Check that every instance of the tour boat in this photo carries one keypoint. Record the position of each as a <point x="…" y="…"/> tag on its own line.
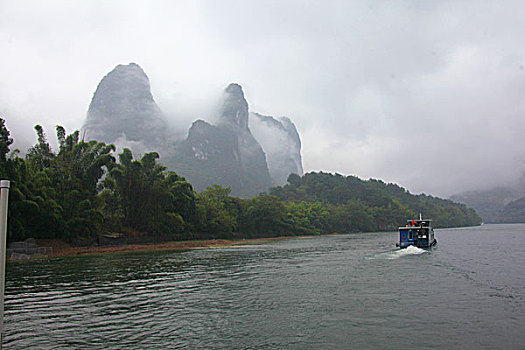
<point x="418" y="233"/>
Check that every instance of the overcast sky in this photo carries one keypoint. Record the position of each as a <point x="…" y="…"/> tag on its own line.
<point x="427" y="94"/>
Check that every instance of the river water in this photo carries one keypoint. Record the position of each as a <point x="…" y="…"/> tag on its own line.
<point x="331" y="292"/>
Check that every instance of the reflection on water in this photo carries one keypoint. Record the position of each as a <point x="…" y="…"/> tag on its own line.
<point x="348" y="291"/>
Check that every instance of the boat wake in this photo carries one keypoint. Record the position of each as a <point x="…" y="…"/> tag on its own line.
<point x="398" y="253"/>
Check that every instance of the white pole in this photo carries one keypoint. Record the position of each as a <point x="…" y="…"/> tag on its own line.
<point x="4" y="194"/>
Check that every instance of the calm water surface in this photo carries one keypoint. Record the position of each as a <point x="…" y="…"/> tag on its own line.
<point x="332" y="292"/>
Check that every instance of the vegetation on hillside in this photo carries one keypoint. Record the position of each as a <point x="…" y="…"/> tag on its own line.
<point x="83" y="192"/>
<point x="372" y="204"/>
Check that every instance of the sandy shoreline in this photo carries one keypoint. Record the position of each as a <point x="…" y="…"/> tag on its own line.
<point x="61" y="248"/>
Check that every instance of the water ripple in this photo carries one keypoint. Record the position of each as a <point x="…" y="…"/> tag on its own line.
<point x="348" y="291"/>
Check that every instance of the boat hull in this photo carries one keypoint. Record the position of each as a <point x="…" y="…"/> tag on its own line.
<point x="423" y="246"/>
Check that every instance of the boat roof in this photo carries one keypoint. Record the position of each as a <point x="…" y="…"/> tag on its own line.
<point x="418" y="224"/>
<point x="411" y="227"/>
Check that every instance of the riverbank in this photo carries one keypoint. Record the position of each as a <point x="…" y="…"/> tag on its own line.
<point x="61" y="248"/>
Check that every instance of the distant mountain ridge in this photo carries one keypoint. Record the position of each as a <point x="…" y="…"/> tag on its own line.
<point x="124" y="112"/>
<point x="496" y="205"/>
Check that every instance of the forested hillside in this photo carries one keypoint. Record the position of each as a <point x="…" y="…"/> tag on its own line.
<point x="380" y="206"/>
<point x="84" y="192"/>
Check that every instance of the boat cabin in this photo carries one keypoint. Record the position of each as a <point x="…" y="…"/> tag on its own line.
<point x="418" y="233"/>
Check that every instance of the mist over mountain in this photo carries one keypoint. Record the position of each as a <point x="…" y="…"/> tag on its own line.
<point x="496" y="205"/>
<point x="123" y="112"/>
<point x="209" y="155"/>
<point x="226" y="154"/>
<point x="234" y="115"/>
<point x="281" y="144"/>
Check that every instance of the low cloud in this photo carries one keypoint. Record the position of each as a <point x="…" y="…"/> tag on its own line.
<point x="372" y="88"/>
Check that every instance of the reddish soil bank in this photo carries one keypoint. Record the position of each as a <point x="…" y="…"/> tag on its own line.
<point x="61" y="248"/>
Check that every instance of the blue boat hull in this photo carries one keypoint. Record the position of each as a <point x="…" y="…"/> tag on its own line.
<point x="419" y="245"/>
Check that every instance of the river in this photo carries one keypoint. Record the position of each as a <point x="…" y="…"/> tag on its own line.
<point x="329" y="292"/>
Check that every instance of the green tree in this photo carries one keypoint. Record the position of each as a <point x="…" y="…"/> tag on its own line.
<point x="55" y="195"/>
<point x="306" y="217"/>
<point x="350" y="217"/>
<point x="150" y="200"/>
<point x="5" y="142"/>
<point x="266" y="216"/>
<point x="218" y="212"/>
<point x="41" y="154"/>
<point x="77" y="171"/>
